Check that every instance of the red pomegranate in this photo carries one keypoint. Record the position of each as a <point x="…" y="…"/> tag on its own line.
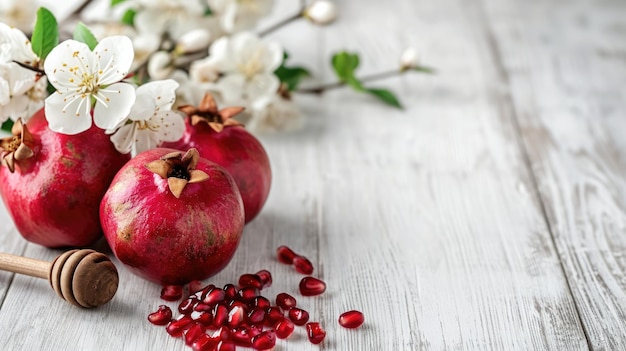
<point x="221" y="139"/>
<point x="171" y="217"/>
<point x="52" y="183"/>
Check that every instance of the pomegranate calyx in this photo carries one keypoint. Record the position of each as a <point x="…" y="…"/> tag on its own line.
<point x="17" y="147"/>
<point x="208" y="113"/>
<point x="179" y="170"/>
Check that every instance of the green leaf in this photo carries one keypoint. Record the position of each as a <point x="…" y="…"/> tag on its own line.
<point x="208" y="12"/>
<point x="6" y="126"/>
<point x="292" y="76"/>
<point x="45" y="34"/>
<point x="386" y="96"/>
<point x="116" y="2"/>
<point x="344" y="64"/>
<point x="129" y="17"/>
<point x="84" y="35"/>
<point x="424" y="69"/>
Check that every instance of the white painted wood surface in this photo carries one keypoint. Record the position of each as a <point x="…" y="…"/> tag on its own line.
<point x="488" y="215"/>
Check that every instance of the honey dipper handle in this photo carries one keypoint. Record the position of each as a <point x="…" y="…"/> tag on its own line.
<point x="25" y="265"/>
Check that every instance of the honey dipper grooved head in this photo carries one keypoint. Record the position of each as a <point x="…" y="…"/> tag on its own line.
<point x="85" y="278"/>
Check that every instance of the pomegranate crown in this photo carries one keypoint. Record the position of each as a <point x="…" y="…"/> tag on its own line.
<point x="17" y="147"/>
<point x="208" y="113"/>
<point x="179" y="170"/>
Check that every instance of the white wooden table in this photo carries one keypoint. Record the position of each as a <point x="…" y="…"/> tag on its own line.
<point x="490" y="214"/>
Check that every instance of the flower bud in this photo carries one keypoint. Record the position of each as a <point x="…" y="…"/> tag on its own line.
<point x="160" y="65"/>
<point x="192" y="41"/>
<point x="321" y="12"/>
<point x="408" y="60"/>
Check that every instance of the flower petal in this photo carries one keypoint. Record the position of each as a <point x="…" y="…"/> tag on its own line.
<point x="261" y="86"/>
<point x="273" y="57"/>
<point x="163" y="93"/>
<point x="115" y="54"/>
<point x="67" y="118"/>
<point x="124" y="138"/>
<point x="119" y="99"/>
<point x="66" y="64"/>
<point x="145" y="140"/>
<point x="231" y="86"/>
<point x="22" y="79"/>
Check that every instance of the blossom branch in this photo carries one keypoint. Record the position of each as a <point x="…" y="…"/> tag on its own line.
<point x="282" y="23"/>
<point x="31" y="68"/>
<point x="370" y="78"/>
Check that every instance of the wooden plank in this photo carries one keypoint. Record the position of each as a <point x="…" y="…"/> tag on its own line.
<point x="10" y="242"/>
<point x="566" y="69"/>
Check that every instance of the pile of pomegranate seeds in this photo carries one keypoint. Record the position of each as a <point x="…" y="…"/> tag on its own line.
<point x="220" y="319"/>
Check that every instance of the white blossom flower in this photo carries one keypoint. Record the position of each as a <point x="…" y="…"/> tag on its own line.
<point x="279" y="115"/>
<point x="321" y="12"/>
<point x="248" y="64"/>
<point x="80" y="75"/>
<point x="238" y="15"/>
<point x="408" y="59"/>
<point x="175" y="17"/>
<point x="15" y="46"/>
<point x="151" y="120"/>
<point x="21" y="92"/>
<point x="18" y="13"/>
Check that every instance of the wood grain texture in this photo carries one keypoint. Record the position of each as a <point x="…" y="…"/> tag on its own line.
<point x="428" y="220"/>
<point x="566" y="66"/>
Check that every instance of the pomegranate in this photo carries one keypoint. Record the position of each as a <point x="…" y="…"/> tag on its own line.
<point x="221" y="139"/>
<point x="171" y="217"/>
<point x="52" y="183"/>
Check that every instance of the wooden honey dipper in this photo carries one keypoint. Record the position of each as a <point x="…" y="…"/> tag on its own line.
<point x="84" y="278"/>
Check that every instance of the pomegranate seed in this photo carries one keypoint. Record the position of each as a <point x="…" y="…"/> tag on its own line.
<point x="195" y="286"/>
<point x="187" y="306"/>
<point x="207" y="289"/>
<point x="250" y="281"/>
<point x="257" y="316"/>
<point x="193" y="333"/>
<point x="351" y="319"/>
<point x="225" y="345"/>
<point x="162" y="316"/>
<point x="176" y="327"/>
<point x="285" y="255"/>
<point x="214" y="296"/>
<point x="303" y="265"/>
<point x="202" y="307"/>
<point x="261" y="302"/>
<point x="231" y="291"/>
<point x="172" y="292"/>
<point x="247" y="294"/>
<point x="298" y="316"/>
<point x="264" y="341"/>
<point x="254" y="330"/>
<point x="315" y="332"/>
<point x="204" y="317"/>
<point x="266" y="278"/>
<point x="310" y="286"/>
<point x="274" y="314"/>
<point x="222" y="333"/>
<point x="220" y="315"/>
<point x="236" y="316"/>
<point x="205" y="343"/>
<point x="285" y="301"/>
<point x="241" y="336"/>
<point x="284" y="328"/>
